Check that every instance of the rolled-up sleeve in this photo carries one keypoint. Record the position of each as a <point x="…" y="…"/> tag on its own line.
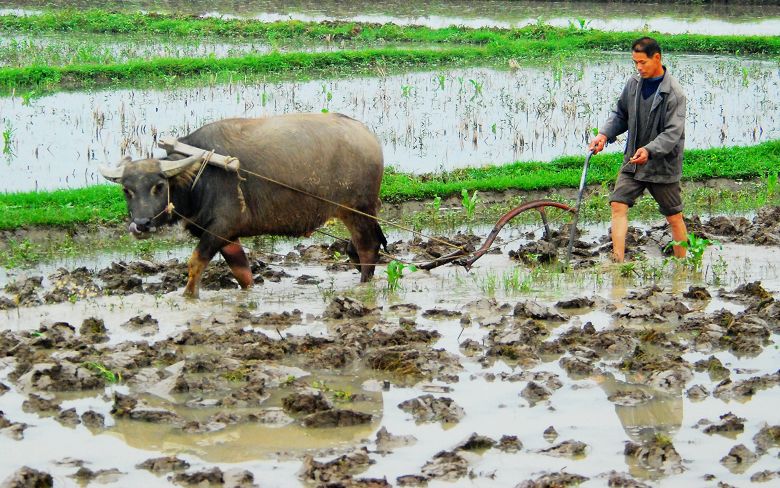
<point x="670" y="136"/>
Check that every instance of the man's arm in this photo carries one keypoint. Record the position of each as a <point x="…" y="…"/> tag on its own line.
<point x="667" y="139"/>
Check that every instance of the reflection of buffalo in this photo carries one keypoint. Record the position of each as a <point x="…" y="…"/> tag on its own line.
<point x="329" y="155"/>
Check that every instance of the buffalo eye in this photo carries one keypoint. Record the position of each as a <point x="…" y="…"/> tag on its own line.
<point x="128" y="193"/>
<point x="157" y="188"/>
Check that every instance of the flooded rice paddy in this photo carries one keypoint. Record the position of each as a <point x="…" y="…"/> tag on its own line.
<point x="675" y="18"/>
<point x="426" y="121"/>
<point x="57" y="49"/>
<point x="659" y="375"/>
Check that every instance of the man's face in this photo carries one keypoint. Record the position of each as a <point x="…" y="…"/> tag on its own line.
<point x="647" y="67"/>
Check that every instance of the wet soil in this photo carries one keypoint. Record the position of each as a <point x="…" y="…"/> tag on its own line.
<point x="107" y="374"/>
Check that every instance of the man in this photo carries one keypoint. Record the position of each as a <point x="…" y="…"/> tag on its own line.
<point x="652" y="110"/>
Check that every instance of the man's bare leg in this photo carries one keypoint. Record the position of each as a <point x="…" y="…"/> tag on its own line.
<point x="619" y="230"/>
<point x="679" y="233"/>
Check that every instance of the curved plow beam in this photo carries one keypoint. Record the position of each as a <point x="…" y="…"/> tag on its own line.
<point x="539" y="205"/>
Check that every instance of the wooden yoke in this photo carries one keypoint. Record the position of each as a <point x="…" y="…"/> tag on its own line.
<point x="172" y="145"/>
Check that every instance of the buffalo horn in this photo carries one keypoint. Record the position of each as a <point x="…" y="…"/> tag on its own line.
<point x="114" y="173"/>
<point x="172" y="168"/>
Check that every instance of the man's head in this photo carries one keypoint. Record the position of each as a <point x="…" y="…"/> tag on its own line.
<point x="647" y="57"/>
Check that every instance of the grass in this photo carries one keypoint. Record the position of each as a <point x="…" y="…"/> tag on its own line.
<point x="456" y="47"/>
<point x="181" y="26"/>
<point x="101" y="204"/>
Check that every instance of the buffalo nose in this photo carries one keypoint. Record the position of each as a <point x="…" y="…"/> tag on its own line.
<point x="142" y="224"/>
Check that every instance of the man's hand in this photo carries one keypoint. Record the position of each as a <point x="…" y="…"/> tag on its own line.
<point x="598" y="143"/>
<point x="640" y="156"/>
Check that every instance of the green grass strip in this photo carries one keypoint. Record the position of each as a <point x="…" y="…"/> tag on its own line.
<point x="48" y="78"/>
<point x="156" y="24"/>
<point x="105" y="203"/>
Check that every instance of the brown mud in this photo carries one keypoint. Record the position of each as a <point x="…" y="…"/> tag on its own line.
<point x="624" y="375"/>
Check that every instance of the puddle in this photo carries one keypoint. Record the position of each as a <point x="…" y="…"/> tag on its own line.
<point x="620" y="16"/>
<point x="461" y="334"/>
<point x="426" y="121"/>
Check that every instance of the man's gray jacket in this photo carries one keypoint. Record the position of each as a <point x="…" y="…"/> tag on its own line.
<point x="667" y="129"/>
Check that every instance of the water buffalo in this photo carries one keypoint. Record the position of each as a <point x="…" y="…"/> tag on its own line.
<point x="330" y="155"/>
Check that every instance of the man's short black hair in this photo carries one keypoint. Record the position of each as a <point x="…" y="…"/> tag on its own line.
<point x="646" y="45"/>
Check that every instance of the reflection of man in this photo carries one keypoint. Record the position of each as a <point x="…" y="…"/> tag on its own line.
<point x="643" y="411"/>
<point x="652" y="110"/>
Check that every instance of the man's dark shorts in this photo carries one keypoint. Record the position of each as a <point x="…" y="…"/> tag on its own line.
<point x="667" y="195"/>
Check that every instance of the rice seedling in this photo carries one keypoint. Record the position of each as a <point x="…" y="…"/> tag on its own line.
<point x="469" y="202"/>
<point x="8" y="139"/>
<point x="395" y="271"/>
<point x="695" y="246"/>
<point x="102" y="370"/>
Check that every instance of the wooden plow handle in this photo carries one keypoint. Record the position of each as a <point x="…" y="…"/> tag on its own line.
<point x="459" y="254"/>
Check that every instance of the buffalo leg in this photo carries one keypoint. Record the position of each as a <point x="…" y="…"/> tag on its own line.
<point x="354" y="258"/>
<point x="198" y="263"/>
<point x="239" y="264"/>
<point x="201" y="256"/>
<point x="366" y="237"/>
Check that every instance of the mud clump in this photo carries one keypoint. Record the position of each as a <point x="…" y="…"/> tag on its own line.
<point x="535" y="393"/>
<point x="410" y="364"/>
<point x="533" y="310"/>
<point x="336" y="418"/>
<point x="745" y="389"/>
<point x="445" y="466"/>
<point x="739" y="459"/>
<point x="622" y="480"/>
<point x="62" y="376"/>
<point x="93" y="420"/>
<point x="28" y="478"/>
<point x="25" y="293"/>
<point x="697" y="293"/>
<point x="427" y="408"/>
<point x="767" y="438"/>
<point x="570" y="449"/>
<point x="345" y="307"/>
<point x="575" y="303"/>
<point x="93" y="330"/>
<point x="209" y="477"/>
<point x="730" y="426"/>
<point x="306" y="403"/>
<point x="145" y="325"/>
<point x="386" y="442"/>
<point x="85" y="475"/>
<point x="164" y="464"/>
<point x="554" y="480"/>
<point x="126" y="406"/>
<point x="657" y="454"/>
<point x="39" y="404"/>
<point x="476" y="442"/>
<point x="509" y="443"/>
<point x="15" y="430"/>
<point x="340" y="469"/>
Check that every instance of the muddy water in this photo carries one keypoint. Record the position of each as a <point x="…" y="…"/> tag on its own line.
<point x="426" y="121"/>
<point x="672" y="18"/>
<point x="487" y="390"/>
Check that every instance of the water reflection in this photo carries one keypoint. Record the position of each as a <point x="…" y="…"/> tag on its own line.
<point x="426" y="121"/>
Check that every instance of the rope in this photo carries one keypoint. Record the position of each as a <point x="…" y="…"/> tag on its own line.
<point x="170" y="209"/>
<point x="354" y="210"/>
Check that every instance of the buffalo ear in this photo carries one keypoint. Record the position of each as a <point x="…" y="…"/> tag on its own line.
<point x="114" y="173"/>
<point x="172" y="168"/>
